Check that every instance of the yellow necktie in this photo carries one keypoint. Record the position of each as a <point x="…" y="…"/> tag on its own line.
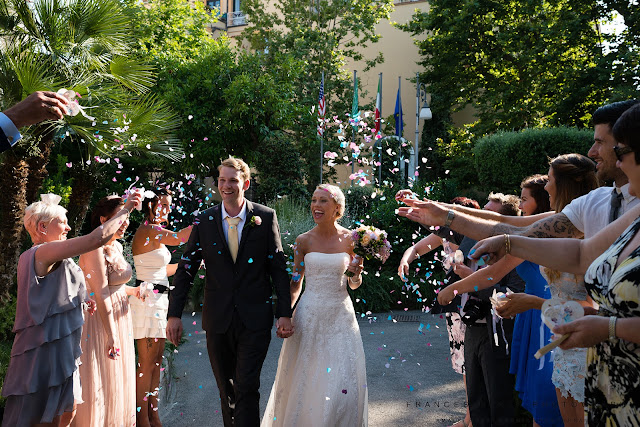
<point x="233" y="236"/>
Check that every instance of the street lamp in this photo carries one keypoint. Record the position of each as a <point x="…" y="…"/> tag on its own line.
<point x="423" y="113"/>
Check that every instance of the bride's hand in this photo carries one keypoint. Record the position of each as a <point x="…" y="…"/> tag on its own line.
<point x="356" y="265"/>
<point x="284" y="327"/>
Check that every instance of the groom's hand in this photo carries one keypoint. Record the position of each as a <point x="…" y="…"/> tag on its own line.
<point x="174" y="330"/>
<point x="284" y="327"/>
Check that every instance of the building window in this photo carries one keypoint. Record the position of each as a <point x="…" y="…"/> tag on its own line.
<point x="236" y="17"/>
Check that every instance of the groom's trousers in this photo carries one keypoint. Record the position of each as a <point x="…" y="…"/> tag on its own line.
<point x="236" y="358"/>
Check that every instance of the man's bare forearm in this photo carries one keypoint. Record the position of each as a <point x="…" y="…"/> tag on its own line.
<point x="557" y="225"/>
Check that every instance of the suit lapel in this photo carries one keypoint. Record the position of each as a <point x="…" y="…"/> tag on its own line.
<point x="247" y="226"/>
<point x="217" y="218"/>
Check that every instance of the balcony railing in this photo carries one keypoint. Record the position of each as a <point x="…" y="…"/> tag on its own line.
<point x="236" y="18"/>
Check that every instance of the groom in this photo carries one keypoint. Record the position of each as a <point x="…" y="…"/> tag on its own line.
<point x="239" y="242"/>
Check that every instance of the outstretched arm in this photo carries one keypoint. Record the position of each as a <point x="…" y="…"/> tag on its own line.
<point x="480" y="279"/>
<point x="569" y="255"/>
<point x="518" y="221"/>
<point x="434" y="214"/>
<point x="52" y="252"/>
<point x="424" y="246"/>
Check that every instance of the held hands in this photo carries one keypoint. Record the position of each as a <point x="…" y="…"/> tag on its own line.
<point x="284" y="327"/>
<point x="585" y="332"/>
<point x="174" y="330"/>
<point x="37" y="107"/>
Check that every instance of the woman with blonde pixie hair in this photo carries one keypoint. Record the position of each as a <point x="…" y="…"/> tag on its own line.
<point x="42" y="385"/>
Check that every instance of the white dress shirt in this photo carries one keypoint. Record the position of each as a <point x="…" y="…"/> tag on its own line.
<point x="590" y="213"/>
<point x="225" y="225"/>
<point x="10" y="130"/>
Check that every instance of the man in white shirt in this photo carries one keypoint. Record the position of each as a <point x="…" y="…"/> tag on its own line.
<point x="35" y="108"/>
<point x="584" y="216"/>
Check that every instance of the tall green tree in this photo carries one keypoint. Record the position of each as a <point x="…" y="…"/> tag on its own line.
<point x="84" y="46"/>
<point x="518" y="63"/>
<point x="323" y="35"/>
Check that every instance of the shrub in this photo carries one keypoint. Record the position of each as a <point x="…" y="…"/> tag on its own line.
<point x="505" y="158"/>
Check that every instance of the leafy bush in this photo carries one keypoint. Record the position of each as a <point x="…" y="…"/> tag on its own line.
<point x="505" y="158"/>
<point x="279" y="169"/>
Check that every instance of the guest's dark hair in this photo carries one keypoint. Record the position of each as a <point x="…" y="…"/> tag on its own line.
<point x="610" y="113"/>
<point x="465" y="201"/>
<point x="627" y="130"/>
<point x="535" y="184"/>
<point x="575" y="176"/>
<point x="149" y="211"/>
<point x="104" y="207"/>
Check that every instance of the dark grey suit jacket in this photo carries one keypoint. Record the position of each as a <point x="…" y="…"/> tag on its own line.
<point x="246" y="285"/>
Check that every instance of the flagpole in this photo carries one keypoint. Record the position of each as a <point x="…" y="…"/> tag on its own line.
<point x="322" y="136"/>
<point x="353" y="128"/>
<point x="380" y="140"/>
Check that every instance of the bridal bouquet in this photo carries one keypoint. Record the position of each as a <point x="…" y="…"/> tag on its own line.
<point x="370" y="243"/>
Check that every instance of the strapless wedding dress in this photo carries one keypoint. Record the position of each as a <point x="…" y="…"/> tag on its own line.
<point x="321" y="378"/>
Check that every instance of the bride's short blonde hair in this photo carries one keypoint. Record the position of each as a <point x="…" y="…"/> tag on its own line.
<point x="38" y="212"/>
<point x="337" y="195"/>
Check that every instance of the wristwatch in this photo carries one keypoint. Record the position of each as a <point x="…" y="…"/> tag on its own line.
<point x="450" y="216"/>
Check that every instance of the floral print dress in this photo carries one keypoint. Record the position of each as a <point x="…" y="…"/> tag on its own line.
<point x="612" y="388"/>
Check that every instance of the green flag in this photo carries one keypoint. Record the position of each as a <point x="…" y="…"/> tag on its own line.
<point x="354" y="109"/>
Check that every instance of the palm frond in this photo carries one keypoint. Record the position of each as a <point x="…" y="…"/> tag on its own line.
<point x="132" y="74"/>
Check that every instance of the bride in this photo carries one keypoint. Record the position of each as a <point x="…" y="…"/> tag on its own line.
<point x="321" y="378"/>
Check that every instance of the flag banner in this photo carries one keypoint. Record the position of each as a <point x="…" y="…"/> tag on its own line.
<point x="397" y="114"/>
<point x="322" y="108"/>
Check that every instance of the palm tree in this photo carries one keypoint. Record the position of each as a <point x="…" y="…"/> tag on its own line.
<point x="81" y="45"/>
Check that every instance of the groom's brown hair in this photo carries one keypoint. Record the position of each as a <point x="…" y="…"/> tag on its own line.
<point x="237" y="164"/>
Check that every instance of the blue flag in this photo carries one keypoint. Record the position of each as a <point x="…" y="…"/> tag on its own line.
<point x="397" y="113"/>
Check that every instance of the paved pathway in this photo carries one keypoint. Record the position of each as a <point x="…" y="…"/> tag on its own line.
<point x="409" y="374"/>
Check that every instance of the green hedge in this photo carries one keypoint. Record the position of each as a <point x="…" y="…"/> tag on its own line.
<point x="505" y="158"/>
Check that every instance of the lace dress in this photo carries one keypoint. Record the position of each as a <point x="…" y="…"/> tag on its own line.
<point x="108" y="386"/>
<point x="613" y="374"/>
<point x="569" y="366"/>
<point x="42" y="380"/>
<point x="321" y="378"/>
<point x="150" y="315"/>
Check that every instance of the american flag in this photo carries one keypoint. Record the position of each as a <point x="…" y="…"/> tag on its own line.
<point x="322" y="108"/>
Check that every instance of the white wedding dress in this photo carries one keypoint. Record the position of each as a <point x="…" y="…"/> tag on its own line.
<point x="321" y="379"/>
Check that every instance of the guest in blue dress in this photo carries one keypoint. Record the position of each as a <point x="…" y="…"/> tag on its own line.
<point x="533" y="376"/>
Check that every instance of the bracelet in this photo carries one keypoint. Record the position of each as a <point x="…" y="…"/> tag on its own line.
<point x="507" y="243"/>
<point x="450" y="216"/>
<point x="612" y="327"/>
<point x="351" y="278"/>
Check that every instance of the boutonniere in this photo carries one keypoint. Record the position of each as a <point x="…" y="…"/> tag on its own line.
<point x="255" y="220"/>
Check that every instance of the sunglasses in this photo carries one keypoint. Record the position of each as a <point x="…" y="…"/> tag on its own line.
<point x="621" y="151"/>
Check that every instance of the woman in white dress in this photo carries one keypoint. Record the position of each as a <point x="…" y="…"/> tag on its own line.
<point x="151" y="258"/>
<point x="321" y="378"/>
